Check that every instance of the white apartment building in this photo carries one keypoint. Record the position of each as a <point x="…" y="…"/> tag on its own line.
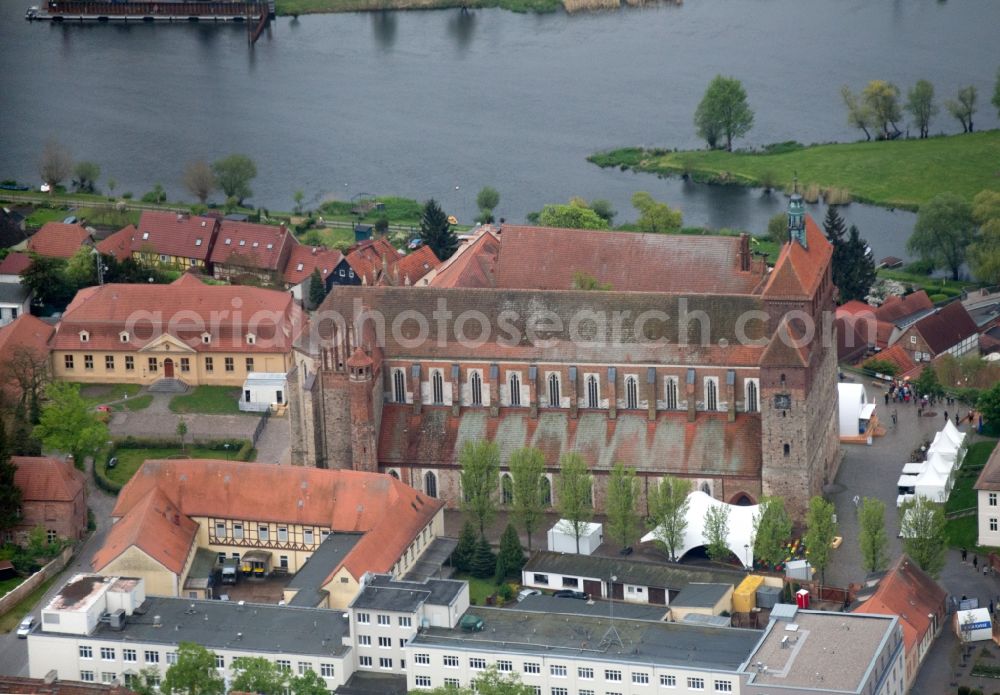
<point x="105" y="629"/>
<point x="386" y="614"/>
<point x="988" y="501"/>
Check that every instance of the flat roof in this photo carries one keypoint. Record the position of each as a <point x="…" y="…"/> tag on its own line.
<point x="638" y="572"/>
<point x="83" y="590"/>
<point x="308" y="581"/>
<point x="699" y="595"/>
<point x="384" y="593"/>
<point x="828" y="652"/>
<point x="253" y="627"/>
<point x="581" y="637"/>
<point x="569" y="606"/>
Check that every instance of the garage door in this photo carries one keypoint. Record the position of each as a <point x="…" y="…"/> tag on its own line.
<point x="657" y="596"/>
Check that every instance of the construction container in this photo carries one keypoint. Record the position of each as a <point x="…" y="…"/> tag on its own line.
<point x="745" y="596"/>
<point x="768" y="596"/>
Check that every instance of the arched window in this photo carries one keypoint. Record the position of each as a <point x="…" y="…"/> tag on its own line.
<point x="514" y="386"/>
<point x="711" y="395"/>
<point x="394" y="473"/>
<point x="670" y="393"/>
<point x="430" y="484"/>
<point x="706" y="488"/>
<point x="437" y="387"/>
<point x="788" y="449"/>
<point x="398" y="386"/>
<point x="593" y="392"/>
<point x="546" y="486"/>
<point x="554" y="399"/>
<point x="631" y="393"/>
<point x="752" y="401"/>
<point x="506" y="490"/>
<point x="476" y="388"/>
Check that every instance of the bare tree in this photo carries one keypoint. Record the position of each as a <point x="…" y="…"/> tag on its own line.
<point x="56" y="163"/>
<point x="199" y="180"/>
<point x="29" y="369"/>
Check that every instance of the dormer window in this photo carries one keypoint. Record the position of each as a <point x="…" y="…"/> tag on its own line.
<point x="243" y="242"/>
<point x="84" y="337"/>
<point x="255" y="244"/>
<point x="299" y="267"/>
<point x="123" y="336"/>
<point x="251" y="339"/>
<point x="145" y="236"/>
<point x="197" y="242"/>
<point x="270" y="246"/>
<point x="228" y="241"/>
<point x="206" y="338"/>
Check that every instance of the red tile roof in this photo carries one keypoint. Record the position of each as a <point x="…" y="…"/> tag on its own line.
<point x="852" y="344"/>
<point x="370" y="257"/>
<point x="175" y="234"/>
<point x="896" y="308"/>
<point x="119" y="244"/>
<point x="15" y="263"/>
<point x="786" y="348"/>
<point x="408" y="269"/>
<point x="911" y="594"/>
<point x="28" y="333"/>
<point x="187" y="310"/>
<point x="58" y="240"/>
<point x="670" y="444"/>
<point x="547" y="258"/>
<point x="252" y="245"/>
<point x="799" y="270"/>
<point x="473" y="265"/>
<point x="38" y="686"/>
<point x="303" y="259"/>
<point x="156" y="526"/>
<point x="390" y="513"/>
<point x="898" y="356"/>
<point x="946" y="327"/>
<point x="43" y="479"/>
<point x="989" y="478"/>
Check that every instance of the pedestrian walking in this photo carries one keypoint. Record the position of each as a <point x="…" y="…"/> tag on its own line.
<point x="986" y="569"/>
<point x="857" y="501"/>
<point x="895" y="417"/>
<point x="965" y="554"/>
<point x="887" y="398"/>
<point x="975" y="562"/>
<point x="956" y="419"/>
<point x="946" y="416"/>
<point x="991" y="606"/>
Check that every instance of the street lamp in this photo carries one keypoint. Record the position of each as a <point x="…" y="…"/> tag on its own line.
<point x="226" y="447"/>
<point x="746" y="556"/>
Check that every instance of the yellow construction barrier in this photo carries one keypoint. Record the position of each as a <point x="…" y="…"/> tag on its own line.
<point x="745" y="596"/>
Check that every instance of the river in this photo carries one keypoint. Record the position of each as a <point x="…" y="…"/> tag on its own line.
<point x="441" y="103"/>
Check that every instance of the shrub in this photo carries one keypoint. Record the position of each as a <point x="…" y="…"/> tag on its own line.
<point x="920" y="267"/>
<point x="935" y="298"/>
<point x="810" y="193"/>
<point x="505" y="592"/>
<point x="837" y="196"/>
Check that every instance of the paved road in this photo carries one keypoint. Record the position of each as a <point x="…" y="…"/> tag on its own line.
<point x="872" y="471"/>
<point x="14" y="651"/>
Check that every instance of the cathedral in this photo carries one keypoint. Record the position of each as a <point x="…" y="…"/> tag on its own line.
<point x="688" y="356"/>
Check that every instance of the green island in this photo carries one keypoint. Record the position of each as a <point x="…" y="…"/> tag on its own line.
<point x="896" y="174"/>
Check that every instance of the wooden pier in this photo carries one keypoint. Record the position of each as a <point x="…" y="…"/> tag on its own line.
<point x="150" y="11"/>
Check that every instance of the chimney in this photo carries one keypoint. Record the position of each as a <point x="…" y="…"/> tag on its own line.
<point x="744" y="252"/>
<point x="281" y="229"/>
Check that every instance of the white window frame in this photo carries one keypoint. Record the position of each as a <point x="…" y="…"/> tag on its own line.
<point x="553" y="384"/>
<point x="631" y="392"/>
<point x="711" y="387"/>
<point x="514" y="389"/>
<point x="398" y="385"/>
<point x="437" y="387"/>
<point x="475" y="387"/>
<point x="592" y="390"/>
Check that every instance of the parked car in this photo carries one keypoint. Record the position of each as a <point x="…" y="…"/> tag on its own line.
<point x="25" y="627"/>
<point x="70" y="219"/>
<point x="525" y="593"/>
<point x="569" y="593"/>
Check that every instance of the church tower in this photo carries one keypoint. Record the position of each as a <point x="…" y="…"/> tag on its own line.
<point x="363" y="416"/>
<point x="797" y="219"/>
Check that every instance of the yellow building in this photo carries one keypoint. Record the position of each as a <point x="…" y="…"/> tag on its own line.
<point x="201" y="334"/>
<point x="271" y="519"/>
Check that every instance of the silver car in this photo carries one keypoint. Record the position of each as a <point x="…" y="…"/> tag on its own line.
<point x="25" y="627"/>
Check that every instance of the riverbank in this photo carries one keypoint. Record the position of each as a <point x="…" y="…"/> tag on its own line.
<point x="297" y="7"/>
<point x="899" y="174"/>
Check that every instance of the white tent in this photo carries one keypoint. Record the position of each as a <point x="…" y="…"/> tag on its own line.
<point x="912" y="468"/>
<point x="740" y="539"/>
<point x="854" y="413"/>
<point x="933" y="484"/>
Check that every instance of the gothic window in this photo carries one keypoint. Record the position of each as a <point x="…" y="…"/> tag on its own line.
<point x="437" y="386"/>
<point x="752" y="401"/>
<point x="514" y="386"/>
<point x="711" y="394"/>
<point x="398" y="386"/>
<point x="506" y="489"/>
<point x="430" y="484"/>
<point x="554" y="399"/>
<point x="631" y="393"/>
<point x="670" y="393"/>
<point x="593" y="392"/>
<point x="476" y="388"/>
<point x="546" y="486"/>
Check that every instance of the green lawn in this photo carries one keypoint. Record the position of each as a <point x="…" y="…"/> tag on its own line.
<point x="962" y="495"/>
<point x="962" y="533"/>
<point x="949" y="288"/>
<point x="8" y="584"/>
<point x="208" y="400"/>
<point x="904" y="173"/>
<point x="129" y="460"/>
<point x="96" y="394"/>
<point x="134" y="404"/>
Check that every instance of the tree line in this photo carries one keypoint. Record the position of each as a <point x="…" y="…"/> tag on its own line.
<point x="724" y="114"/>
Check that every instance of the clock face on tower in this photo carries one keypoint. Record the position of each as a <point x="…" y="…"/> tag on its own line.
<point x="782" y="401"/>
